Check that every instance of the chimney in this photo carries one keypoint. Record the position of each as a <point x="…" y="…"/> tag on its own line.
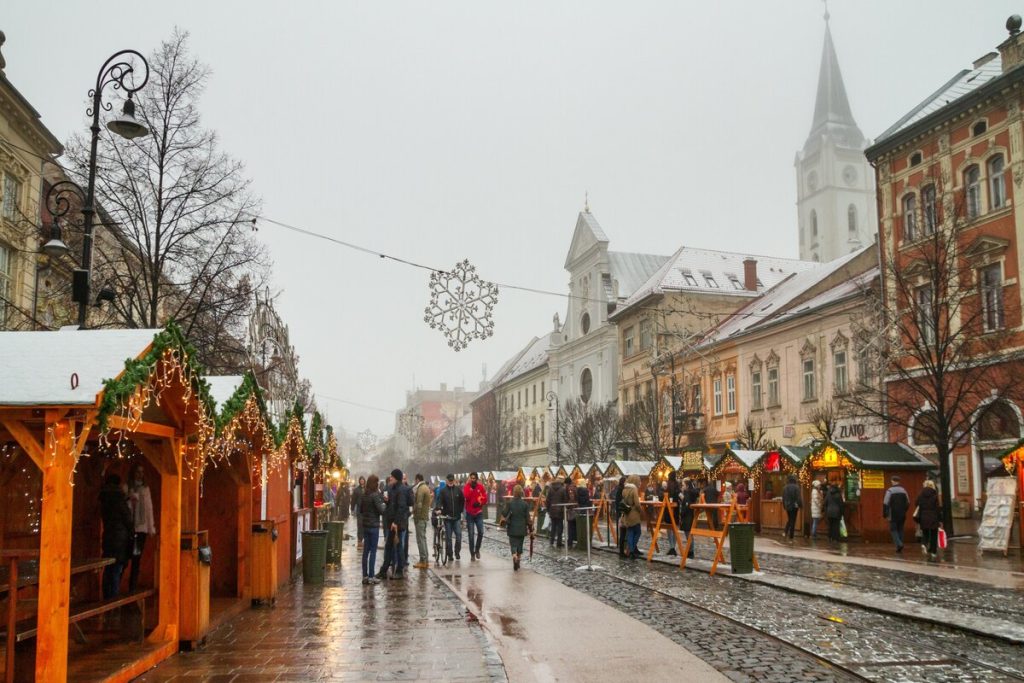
<point x="1012" y="49"/>
<point x="750" y="274"/>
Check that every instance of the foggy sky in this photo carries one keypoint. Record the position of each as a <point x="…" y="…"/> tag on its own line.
<point x="449" y="130"/>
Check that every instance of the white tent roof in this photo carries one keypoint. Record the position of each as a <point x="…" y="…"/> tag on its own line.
<point x="505" y="475"/>
<point x="748" y="458"/>
<point x="639" y="467"/>
<point x="223" y="387"/>
<point x="37" y="368"/>
<point x="674" y="461"/>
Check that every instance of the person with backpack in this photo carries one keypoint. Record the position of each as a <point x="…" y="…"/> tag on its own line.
<point x="475" y="496"/>
<point x="791" y="503"/>
<point x="516" y="514"/>
<point x="451" y="504"/>
<point x="894" y="508"/>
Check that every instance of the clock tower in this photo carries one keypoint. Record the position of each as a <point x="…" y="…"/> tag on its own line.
<point x="836" y="211"/>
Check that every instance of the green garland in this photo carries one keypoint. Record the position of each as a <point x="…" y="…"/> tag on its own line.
<point x="138" y="371"/>
<point x="282" y="430"/>
<point x="236" y="404"/>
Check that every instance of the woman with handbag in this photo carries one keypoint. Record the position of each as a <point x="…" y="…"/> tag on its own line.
<point x="928" y="515"/>
<point x="516" y="517"/>
<point x="631" y="518"/>
<point x="834" y="512"/>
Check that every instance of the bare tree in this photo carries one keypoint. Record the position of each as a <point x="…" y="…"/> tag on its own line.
<point x="939" y="337"/>
<point x="184" y="214"/>
<point x="825" y="421"/>
<point x="587" y="433"/>
<point x="754" y="436"/>
<point x="605" y="432"/>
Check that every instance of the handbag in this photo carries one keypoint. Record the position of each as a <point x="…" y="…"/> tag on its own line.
<point x="842" y="528"/>
<point x="943" y="539"/>
<point x="917" y="514"/>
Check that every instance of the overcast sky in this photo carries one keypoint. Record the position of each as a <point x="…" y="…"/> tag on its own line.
<point x="448" y="130"/>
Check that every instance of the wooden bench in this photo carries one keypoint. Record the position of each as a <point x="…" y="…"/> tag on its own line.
<point x="27" y="628"/>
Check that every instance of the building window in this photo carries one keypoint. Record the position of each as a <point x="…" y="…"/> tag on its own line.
<point x="979" y="128"/>
<point x="696" y="398"/>
<point x="755" y="390"/>
<point x="929" y="209"/>
<point x="5" y="283"/>
<point x="851" y="220"/>
<point x="585" y="323"/>
<point x="691" y="281"/>
<point x="773" y="386"/>
<point x="716" y="393"/>
<point x="646" y="340"/>
<point x="534" y="394"/>
<point x="543" y="434"/>
<point x="709" y="279"/>
<point x="533" y="427"/>
<point x="865" y="372"/>
<point x="840" y="383"/>
<point x="972" y="191"/>
<point x="730" y="394"/>
<point x="915" y="158"/>
<point x="519" y="400"/>
<point x="996" y="186"/>
<point x="909" y="218"/>
<point x="925" y="318"/>
<point x="814" y="223"/>
<point x="586" y="385"/>
<point x="627" y="342"/>
<point x="648" y="388"/>
<point x="542" y="389"/>
<point x="991" y="278"/>
<point x="809" y="383"/>
<point x="12" y="197"/>
<point x="736" y="284"/>
<point x="666" y="407"/>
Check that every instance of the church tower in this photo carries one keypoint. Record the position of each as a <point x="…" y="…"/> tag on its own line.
<point x="835" y="184"/>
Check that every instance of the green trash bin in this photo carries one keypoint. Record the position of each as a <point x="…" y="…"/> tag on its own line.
<point x="314" y="556"/>
<point x="741" y="548"/>
<point x="335" y="534"/>
<point x="581" y="531"/>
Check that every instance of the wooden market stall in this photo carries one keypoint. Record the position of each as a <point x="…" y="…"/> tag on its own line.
<point x="863" y="470"/>
<point x="734" y="467"/>
<point x="1013" y="462"/>
<point x="285" y="493"/>
<point x="231" y="496"/>
<point x="597" y="468"/>
<point x="56" y="404"/>
<point x="771" y="473"/>
<point x="627" y="468"/>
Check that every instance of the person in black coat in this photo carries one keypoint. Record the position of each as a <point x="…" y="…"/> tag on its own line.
<point x="690" y="495"/>
<point x="452" y="504"/>
<point x="118" y="533"/>
<point x="833" y="512"/>
<point x="791" y="503"/>
<point x="357" y="496"/>
<point x="711" y="497"/>
<point x="929" y="517"/>
<point x="616" y="499"/>
<point x="672" y="488"/>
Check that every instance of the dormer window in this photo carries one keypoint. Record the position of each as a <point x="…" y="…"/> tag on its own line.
<point x="736" y="284"/>
<point x="709" y="279"/>
<point x="688" y="277"/>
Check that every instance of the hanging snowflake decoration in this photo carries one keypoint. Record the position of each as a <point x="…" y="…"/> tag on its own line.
<point x="366" y="441"/>
<point x="461" y="305"/>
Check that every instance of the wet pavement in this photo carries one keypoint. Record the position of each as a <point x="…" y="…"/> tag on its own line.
<point x="546" y="631"/>
<point x="412" y="629"/>
<point x="860" y="641"/>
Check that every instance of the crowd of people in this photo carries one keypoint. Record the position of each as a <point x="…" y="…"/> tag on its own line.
<point x="385" y="508"/>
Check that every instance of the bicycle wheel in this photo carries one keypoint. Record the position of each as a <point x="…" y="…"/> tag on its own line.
<point x="438" y="545"/>
<point x="444" y="546"/>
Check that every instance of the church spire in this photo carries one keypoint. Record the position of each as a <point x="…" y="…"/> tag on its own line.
<point x="832" y="115"/>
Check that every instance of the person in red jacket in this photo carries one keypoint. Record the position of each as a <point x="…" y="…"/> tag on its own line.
<point x="476" y="497"/>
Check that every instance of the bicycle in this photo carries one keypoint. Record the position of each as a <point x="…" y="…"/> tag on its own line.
<point x="441" y="540"/>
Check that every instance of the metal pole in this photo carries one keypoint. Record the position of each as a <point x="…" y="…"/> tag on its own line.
<point x="89" y="209"/>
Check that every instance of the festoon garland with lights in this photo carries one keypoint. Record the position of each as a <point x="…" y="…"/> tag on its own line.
<point x="242" y="416"/>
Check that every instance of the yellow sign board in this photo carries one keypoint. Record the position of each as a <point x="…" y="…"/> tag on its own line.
<point x="872" y="480"/>
<point x="693" y="460"/>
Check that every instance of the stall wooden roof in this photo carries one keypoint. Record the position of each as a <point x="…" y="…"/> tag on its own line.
<point x="882" y="455"/>
<point x="628" y="468"/>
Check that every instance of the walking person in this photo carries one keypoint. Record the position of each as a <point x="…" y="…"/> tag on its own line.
<point x="399" y="505"/>
<point x="145" y="526"/>
<point x="451" y="504"/>
<point x="711" y="498"/>
<point x="118" y="533"/>
<point x="928" y="515"/>
<point x="791" y="503"/>
<point x="570" y="514"/>
<point x="894" y="508"/>
<point x="631" y="516"/>
<point x="817" y="506"/>
<point x="516" y="514"/>
<point x="833" y="512"/>
<point x="357" y="495"/>
<point x="691" y="495"/>
<point x="617" y="511"/>
<point x="422" y="503"/>
<point x="583" y="526"/>
<point x="556" y="499"/>
<point x="371" y="507"/>
<point x="476" y="498"/>
<point x="673" y="490"/>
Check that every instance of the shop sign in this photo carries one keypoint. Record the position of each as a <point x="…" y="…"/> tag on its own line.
<point x="873" y="479"/>
<point x="852" y="487"/>
<point x="773" y="462"/>
<point x="963" y="478"/>
<point x="788" y="432"/>
<point x="693" y="460"/>
<point x="827" y="458"/>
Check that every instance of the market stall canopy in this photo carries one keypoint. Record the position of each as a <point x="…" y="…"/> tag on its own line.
<point x="795" y="454"/>
<point x="870" y="455"/>
<point x="223" y="387"/>
<point x="68" y="367"/>
<point x="598" y="468"/>
<point x="626" y="468"/>
<point x="504" y="475"/>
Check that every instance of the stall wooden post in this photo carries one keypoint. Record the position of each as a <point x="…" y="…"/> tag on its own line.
<point x="165" y="456"/>
<point x="58" y="464"/>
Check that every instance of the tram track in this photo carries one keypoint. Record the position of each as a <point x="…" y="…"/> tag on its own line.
<point x="932" y="657"/>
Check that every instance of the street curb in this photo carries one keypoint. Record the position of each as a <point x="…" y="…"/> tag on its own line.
<point x="492" y="660"/>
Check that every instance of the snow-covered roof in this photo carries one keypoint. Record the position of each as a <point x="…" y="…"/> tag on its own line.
<point x="748" y="458"/>
<point x="632" y="270"/>
<point x="223" y="387"/>
<point x="674" y="461"/>
<point x="961" y="85"/>
<point x="505" y="476"/>
<point x="711" y="271"/>
<point x="629" y="467"/>
<point x="39" y="367"/>
<point x="774" y="304"/>
<point x="532" y="357"/>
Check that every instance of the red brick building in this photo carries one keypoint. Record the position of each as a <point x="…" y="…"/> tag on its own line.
<point x="952" y="166"/>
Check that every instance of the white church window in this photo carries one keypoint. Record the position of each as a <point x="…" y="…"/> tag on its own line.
<point x="586" y="385"/>
<point x="585" y="323"/>
<point x="851" y="219"/>
<point x="814" y="223"/>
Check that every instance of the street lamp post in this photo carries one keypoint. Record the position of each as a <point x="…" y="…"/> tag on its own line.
<point x="553" y="405"/>
<point x="118" y="71"/>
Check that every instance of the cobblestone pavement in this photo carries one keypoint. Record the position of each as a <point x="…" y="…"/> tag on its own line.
<point x="874" y="646"/>
<point x="411" y="629"/>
